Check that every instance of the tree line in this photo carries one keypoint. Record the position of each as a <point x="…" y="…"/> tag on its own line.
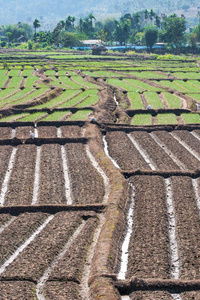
<point x="141" y="28"/>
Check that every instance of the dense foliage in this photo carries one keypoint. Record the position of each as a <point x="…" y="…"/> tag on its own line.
<point x="142" y="28"/>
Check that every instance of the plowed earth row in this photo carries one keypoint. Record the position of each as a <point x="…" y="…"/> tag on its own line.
<point x="49" y="259"/>
<point x="165" y="155"/>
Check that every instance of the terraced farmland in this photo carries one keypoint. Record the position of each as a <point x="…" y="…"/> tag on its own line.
<point x="99" y="178"/>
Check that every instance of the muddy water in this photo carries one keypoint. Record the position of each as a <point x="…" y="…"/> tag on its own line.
<point x="37" y="176"/>
<point x="172" y="230"/>
<point x="196" y="190"/>
<point x="36" y="133"/>
<point x="65" y="170"/>
<point x="107" y="152"/>
<point x="13" y="134"/>
<point x="175" y="267"/>
<point x="5" y="184"/>
<point x="125" y="244"/>
<point x="115" y="99"/>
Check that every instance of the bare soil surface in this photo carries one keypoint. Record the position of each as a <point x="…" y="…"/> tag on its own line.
<point x="75" y="256"/>
<point x="160" y="159"/>
<point x="47" y="131"/>
<point x="83" y="176"/>
<point x="5" y="133"/>
<point x="124" y="153"/>
<point x="187" y="227"/>
<point x="149" y="249"/>
<point x="189" y="139"/>
<point x="149" y="245"/>
<point x="23" y="132"/>
<point x="20" y="189"/>
<point x="17" y="232"/>
<point x="36" y="257"/>
<point x="51" y="182"/>
<point x="154" y="295"/>
<point x="190" y="296"/>
<point x="190" y="162"/>
<point x="5" y="152"/>
<point x="17" y="290"/>
<point x="71" y="131"/>
<point x="4" y="218"/>
<point x="60" y="290"/>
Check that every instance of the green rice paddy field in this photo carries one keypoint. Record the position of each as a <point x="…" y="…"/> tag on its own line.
<point x="156" y="91"/>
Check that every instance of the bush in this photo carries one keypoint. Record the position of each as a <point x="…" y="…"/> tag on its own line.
<point x="3" y="44"/>
<point x="36" y="46"/>
<point x="30" y="45"/>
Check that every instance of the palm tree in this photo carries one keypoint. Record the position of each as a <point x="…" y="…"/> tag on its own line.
<point x="36" y="24"/>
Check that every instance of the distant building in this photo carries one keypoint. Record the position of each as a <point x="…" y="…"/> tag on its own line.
<point x="91" y="43"/>
<point x="21" y="39"/>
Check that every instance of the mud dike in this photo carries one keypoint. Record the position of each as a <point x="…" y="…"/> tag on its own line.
<point x="93" y="211"/>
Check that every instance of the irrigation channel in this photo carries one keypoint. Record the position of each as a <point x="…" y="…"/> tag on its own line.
<point x="44" y="278"/>
<point x="4" y="188"/>
<point x="174" y="257"/>
<point x="65" y="169"/>
<point x="167" y="151"/>
<point x="25" y="244"/>
<point x="185" y="145"/>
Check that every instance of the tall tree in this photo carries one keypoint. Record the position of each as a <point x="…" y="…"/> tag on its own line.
<point x="150" y="35"/>
<point x="36" y="24"/>
<point x="173" y="30"/>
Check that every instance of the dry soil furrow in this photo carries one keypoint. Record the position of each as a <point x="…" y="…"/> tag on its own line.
<point x="148" y="250"/>
<point x="120" y="148"/>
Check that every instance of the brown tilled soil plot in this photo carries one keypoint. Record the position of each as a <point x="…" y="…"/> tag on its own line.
<point x="74" y="251"/>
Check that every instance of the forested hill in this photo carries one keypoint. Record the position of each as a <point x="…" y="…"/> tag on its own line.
<point x="49" y="12"/>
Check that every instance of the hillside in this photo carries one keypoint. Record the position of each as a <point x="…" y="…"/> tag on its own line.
<point x="49" y="12"/>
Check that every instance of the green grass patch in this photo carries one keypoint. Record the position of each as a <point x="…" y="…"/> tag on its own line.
<point x="191" y="118"/>
<point x="154" y="100"/>
<point x="135" y="100"/>
<point x="68" y="83"/>
<point x="30" y="81"/>
<point x="142" y="119"/>
<point x="6" y="93"/>
<point x="15" y="82"/>
<point x="65" y="96"/>
<point x="81" y="115"/>
<point x="9" y="101"/>
<point x="172" y="100"/>
<point x="14" y="73"/>
<point x="50" y="72"/>
<point x="189" y="75"/>
<point x="195" y="96"/>
<point x="57" y="116"/>
<point x="74" y="101"/>
<point x="172" y="85"/>
<point x="3" y="80"/>
<point x="142" y="85"/>
<point x="147" y="74"/>
<point x="84" y="83"/>
<point x="90" y="101"/>
<point x="163" y="119"/>
<point x="33" y="117"/>
<point x="27" y="72"/>
<point x="13" y="118"/>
